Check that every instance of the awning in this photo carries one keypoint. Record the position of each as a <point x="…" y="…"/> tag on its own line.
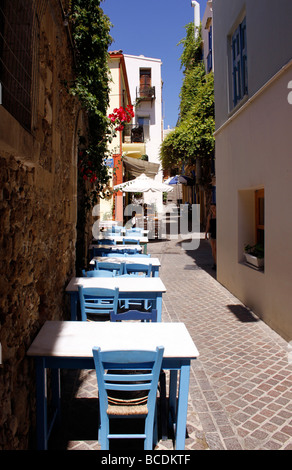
<point x="136" y="167"/>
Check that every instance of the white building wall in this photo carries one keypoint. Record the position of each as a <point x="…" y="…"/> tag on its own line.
<point x="153" y="109"/>
<point x="253" y="151"/>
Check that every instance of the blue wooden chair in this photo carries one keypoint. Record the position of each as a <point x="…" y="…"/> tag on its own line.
<point x="96" y="302"/>
<point x="116" y="229"/>
<point x="134" y="231"/>
<point x="134" y="315"/>
<point x="114" y="255"/>
<point x="150" y="316"/>
<point x="98" y="251"/>
<point x="116" y="268"/>
<point x="124" y="395"/>
<point x="138" y="269"/>
<point x="141" y="255"/>
<point x="96" y="273"/>
<point x="130" y="251"/>
<point x="106" y="241"/>
<point x="131" y="241"/>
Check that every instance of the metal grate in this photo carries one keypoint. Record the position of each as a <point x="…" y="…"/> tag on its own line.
<point x="16" y="36"/>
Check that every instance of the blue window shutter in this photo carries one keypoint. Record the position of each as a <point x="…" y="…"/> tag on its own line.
<point x="236" y="59"/>
<point x="239" y="63"/>
<point x="243" y="56"/>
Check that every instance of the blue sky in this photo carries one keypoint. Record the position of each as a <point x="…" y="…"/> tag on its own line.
<point x="153" y="28"/>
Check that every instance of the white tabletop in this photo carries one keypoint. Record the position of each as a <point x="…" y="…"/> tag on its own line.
<point x="125" y="284"/>
<point x="76" y="339"/>
<point x="127" y="259"/>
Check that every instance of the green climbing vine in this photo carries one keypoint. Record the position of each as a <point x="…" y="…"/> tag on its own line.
<point x="91" y="36"/>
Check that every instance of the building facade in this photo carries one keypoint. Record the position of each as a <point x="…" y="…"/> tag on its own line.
<point x="142" y="145"/>
<point x="253" y="66"/>
<point x="112" y="207"/>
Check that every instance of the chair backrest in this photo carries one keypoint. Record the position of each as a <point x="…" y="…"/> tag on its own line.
<point x="109" y="366"/>
<point x="128" y="251"/>
<point x="95" y="251"/>
<point x="116" y="229"/>
<point x="97" y="301"/>
<point x="135" y="231"/>
<point x="131" y="241"/>
<point x="114" y="255"/>
<point x="116" y="268"/>
<point x="134" y="315"/>
<point x="97" y="273"/>
<point x="140" y="255"/>
<point x="107" y="241"/>
<point x="137" y="269"/>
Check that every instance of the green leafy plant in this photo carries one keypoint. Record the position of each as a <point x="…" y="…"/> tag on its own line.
<point x="91" y="38"/>
<point x="192" y="141"/>
<point x="256" y="250"/>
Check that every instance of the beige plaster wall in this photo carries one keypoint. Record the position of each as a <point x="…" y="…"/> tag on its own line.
<point x="253" y="150"/>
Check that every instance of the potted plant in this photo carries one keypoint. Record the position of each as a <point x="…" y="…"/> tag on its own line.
<point x="254" y="254"/>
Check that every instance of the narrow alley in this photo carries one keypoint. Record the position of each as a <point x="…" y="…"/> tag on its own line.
<point x="240" y="395"/>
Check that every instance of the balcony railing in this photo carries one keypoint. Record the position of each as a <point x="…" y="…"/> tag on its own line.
<point x="145" y="93"/>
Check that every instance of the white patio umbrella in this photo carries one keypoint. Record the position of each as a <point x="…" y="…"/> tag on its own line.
<point x="143" y="184"/>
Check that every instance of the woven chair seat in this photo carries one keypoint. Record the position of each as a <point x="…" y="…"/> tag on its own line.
<point x="132" y="403"/>
<point x="128" y="407"/>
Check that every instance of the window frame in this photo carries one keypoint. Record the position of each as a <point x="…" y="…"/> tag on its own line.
<point x="144" y="122"/>
<point x="239" y="63"/>
<point x="210" y="50"/>
<point x="260" y="216"/>
<point x="17" y="33"/>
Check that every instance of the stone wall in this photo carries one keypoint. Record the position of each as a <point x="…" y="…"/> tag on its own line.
<point x="38" y="213"/>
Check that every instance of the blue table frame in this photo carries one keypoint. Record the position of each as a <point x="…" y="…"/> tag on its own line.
<point x="143" y="288"/>
<point x="154" y="269"/>
<point x="44" y="349"/>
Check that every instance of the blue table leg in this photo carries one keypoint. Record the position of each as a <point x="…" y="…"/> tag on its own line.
<point x="41" y="404"/>
<point x="159" y="307"/>
<point x="182" y="406"/>
<point x="155" y="271"/>
<point x="56" y="395"/>
<point x="73" y="305"/>
<point x="172" y="397"/>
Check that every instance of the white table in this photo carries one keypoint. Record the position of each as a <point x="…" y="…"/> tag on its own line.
<point x="120" y="239"/>
<point x="135" y="287"/>
<point x="155" y="262"/>
<point x="69" y="345"/>
<point x="115" y="248"/>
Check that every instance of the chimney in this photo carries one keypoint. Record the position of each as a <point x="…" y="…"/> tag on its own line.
<point x="197" y="19"/>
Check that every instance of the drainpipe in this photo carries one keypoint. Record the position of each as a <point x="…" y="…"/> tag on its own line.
<point x="197" y="20"/>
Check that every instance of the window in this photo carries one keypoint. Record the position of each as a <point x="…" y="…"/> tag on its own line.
<point x="16" y="40"/>
<point x="251" y="225"/>
<point x="146" y="90"/>
<point x="239" y="63"/>
<point x="210" y="54"/>
<point x="260" y="216"/>
<point x="145" y="81"/>
<point x="145" y="123"/>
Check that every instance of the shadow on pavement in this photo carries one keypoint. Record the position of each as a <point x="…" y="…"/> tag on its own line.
<point x="242" y="313"/>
